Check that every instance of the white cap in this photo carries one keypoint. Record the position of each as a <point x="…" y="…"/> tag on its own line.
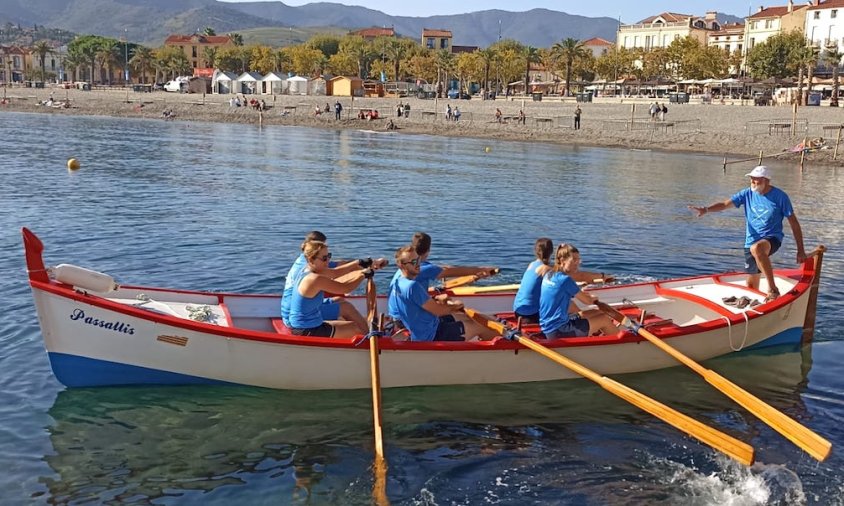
<point x="760" y="171"/>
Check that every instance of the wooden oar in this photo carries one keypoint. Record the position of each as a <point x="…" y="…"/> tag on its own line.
<point x="379" y="487"/>
<point x="472" y="290"/>
<point x="467" y="280"/>
<point x="813" y="444"/>
<point x="729" y="445"/>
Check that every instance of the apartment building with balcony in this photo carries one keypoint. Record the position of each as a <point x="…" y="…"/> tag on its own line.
<point x="436" y="39"/>
<point x="194" y="46"/>
<point x="825" y="24"/>
<point x="661" y="30"/>
<point x="769" y="21"/>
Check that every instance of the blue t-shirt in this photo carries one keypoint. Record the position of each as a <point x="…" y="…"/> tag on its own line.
<point x="554" y="299"/>
<point x="304" y="311"/>
<point x="764" y="213"/>
<point x="527" y="298"/>
<point x="427" y="272"/>
<point x="408" y="296"/>
<point x="298" y="265"/>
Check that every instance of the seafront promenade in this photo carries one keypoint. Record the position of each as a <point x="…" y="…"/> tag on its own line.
<point x="735" y="128"/>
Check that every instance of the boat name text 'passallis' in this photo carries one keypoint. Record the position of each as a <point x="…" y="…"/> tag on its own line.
<point x="79" y="314"/>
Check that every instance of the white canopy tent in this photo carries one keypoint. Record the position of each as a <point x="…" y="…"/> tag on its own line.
<point x="223" y="82"/>
<point x="248" y="83"/>
<point x="273" y="84"/>
<point x="297" y="85"/>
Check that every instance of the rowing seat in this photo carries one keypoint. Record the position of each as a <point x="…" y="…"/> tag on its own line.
<point x="279" y="326"/>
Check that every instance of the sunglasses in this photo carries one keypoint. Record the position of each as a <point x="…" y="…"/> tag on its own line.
<point x="325" y="257"/>
<point x="413" y="262"/>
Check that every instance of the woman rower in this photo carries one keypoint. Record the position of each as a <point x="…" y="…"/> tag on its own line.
<point x="526" y="303"/>
<point x="558" y="289"/>
<point x="307" y="297"/>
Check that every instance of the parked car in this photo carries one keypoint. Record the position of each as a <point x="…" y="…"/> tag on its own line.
<point x="176" y="86"/>
<point x="452" y="93"/>
<point x="762" y="98"/>
<point x="158" y="87"/>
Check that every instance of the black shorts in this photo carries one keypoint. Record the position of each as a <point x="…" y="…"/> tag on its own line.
<point x="575" y="327"/>
<point x="449" y="329"/>
<point x="324" y="330"/>
<point x="750" y="266"/>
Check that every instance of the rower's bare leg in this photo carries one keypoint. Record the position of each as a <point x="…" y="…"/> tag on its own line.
<point x="473" y="328"/>
<point x="350" y="314"/>
<point x="761" y="251"/>
<point x="344" y="329"/>
<point x="599" y="322"/>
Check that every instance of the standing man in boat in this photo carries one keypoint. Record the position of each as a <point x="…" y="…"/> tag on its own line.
<point x="765" y="206"/>
<point x="333" y="308"/>
<point x="428" y="272"/>
<point x="428" y="318"/>
<point x="307" y="298"/>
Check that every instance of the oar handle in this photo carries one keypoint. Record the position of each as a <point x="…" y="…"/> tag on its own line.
<point x="465" y="280"/>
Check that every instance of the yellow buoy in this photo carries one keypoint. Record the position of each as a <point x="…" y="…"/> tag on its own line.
<point x="73" y="164"/>
<point x="487" y="149"/>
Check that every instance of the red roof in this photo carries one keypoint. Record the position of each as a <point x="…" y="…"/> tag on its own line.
<point x="375" y="32"/>
<point x="597" y="41"/>
<point x="775" y="12"/>
<point x="669" y="17"/>
<point x="198" y="39"/>
<point x="428" y="32"/>
<point x="828" y="4"/>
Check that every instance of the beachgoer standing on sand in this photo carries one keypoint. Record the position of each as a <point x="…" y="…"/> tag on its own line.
<point x="407" y="110"/>
<point x="653" y="110"/>
<point x="522" y="119"/>
<point x="577" y="113"/>
<point x="338" y="108"/>
<point x="663" y="112"/>
<point x="765" y="206"/>
<point x="498" y="115"/>
<point x="399" y="109"/>
<point x="456" y="114"/>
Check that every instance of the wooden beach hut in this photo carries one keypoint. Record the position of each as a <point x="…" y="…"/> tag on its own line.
<point x="273" y="84"/>
<point x="318" y="86"/>
<point x="248" y="83"/>
<point x="223" y="82"/>
<point x="346" y="86"/>
<point x="297" y="85"/>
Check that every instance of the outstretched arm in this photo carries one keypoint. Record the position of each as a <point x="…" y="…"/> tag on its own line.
<point x="797" y="232"/>
<point x="713" y="208"/>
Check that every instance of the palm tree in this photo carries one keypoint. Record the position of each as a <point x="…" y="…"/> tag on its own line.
<point x="209" y="31"/>
<point x="107" y="58"/>
<point x="41" y="48"/>
<point x="142" y="61"/>
<point x="815" y="52"/>
<point x="532" y="55"/>
<point x="569" y="50"/>
<point x="832" y="55"/>
<point x="236" y="38"/>
<point x="210" y="55"/>
<point x="488" y="56"/>
<point x="445" y="64"/>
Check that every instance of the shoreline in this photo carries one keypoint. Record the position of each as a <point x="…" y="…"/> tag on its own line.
<point x="733" y="130"/>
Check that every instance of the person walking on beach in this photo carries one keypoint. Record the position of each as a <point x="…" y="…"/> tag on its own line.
<point x="399" y="109"/>
<point x="653" y="110"/>
<point x="407" y="110"/>
<point x="663" y="112"/>
<point x="456" y="114"/>
<point x="577" y="113"/>
<point x="448" y="112"/>
<point x="338" y="110"/>
<point x="765" y="206"/>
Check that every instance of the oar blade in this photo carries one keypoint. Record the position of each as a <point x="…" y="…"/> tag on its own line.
<point x="791" y="429"/>
<point x="722" y="442"/>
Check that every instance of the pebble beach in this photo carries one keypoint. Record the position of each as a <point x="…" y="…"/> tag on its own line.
<point x="733" y="129"/>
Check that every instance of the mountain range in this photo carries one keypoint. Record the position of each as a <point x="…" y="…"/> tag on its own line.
<point x="151" y="21"/>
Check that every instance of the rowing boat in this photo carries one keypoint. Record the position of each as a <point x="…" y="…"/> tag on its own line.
<point x="98" y="333"/>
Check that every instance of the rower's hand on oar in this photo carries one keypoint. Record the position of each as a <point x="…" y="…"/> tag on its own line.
<point x="367" y="263"/>
<point x="368" y="273"/>
<point x="486" y="272"/>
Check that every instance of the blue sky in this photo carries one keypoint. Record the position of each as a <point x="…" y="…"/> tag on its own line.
<point x="630" y="11"/>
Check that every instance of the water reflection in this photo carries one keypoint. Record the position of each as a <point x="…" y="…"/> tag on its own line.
<point x="149" y="444"/>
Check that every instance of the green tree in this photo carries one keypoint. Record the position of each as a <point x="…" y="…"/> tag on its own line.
<point x="209" y="54"/>
<point x="262" y="59"/>
<point x="304" y="60"/>
<point x="777" y="56"/>
<point x="488" y="57"/>
<point x="569" y="50"/>
<point x="326" y="43"/>
<point x="107" y="58"/>
<point x="444" y="60"/>
<point x="469" y="67"/>
<point x="85" y="48"/>
<point x="209" y="31"/>
<point x="360" y="50"/>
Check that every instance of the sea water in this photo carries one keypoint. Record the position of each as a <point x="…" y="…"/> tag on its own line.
<point x="225" y="206"/>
